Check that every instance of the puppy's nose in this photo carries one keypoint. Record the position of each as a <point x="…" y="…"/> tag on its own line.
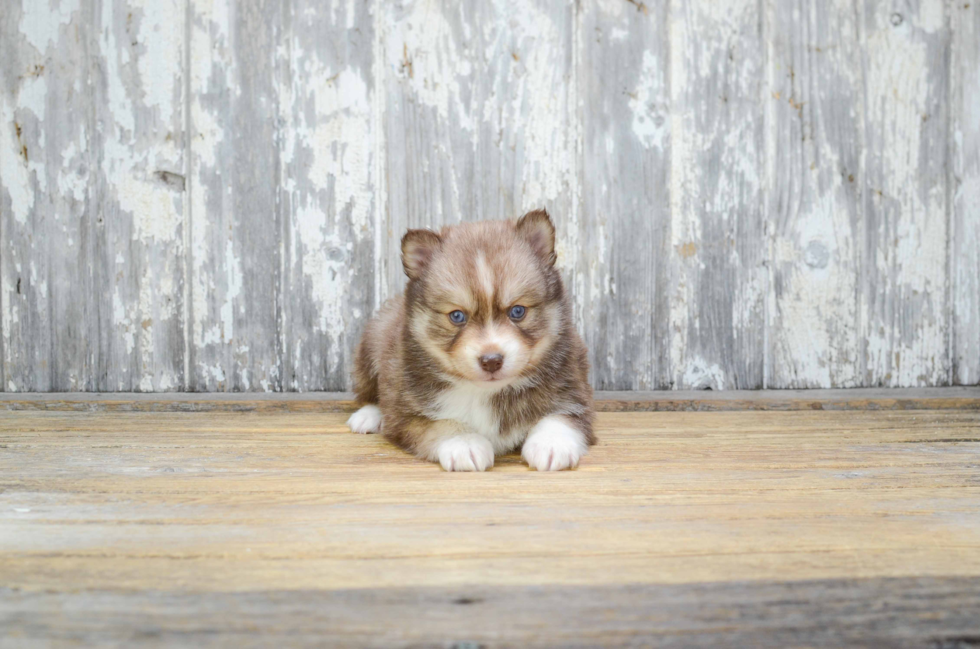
<point x="492" y="362"/>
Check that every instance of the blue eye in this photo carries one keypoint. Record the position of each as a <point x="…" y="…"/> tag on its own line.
<point x="457" y="317"/>
<point x="517" y="312"/>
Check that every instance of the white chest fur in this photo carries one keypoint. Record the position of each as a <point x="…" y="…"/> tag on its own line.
<point x="469" y="405"/>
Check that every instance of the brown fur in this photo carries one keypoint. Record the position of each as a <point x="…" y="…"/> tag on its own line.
<point x="411" y="353"/>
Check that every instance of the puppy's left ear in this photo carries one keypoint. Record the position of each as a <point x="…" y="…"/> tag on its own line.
<point x="418" y="246"/>
<point x="537" y="229"/>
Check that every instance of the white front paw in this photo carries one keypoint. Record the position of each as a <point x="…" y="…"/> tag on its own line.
<point x="469" y="452"/>
<point x="554" y="445"/>
<point x="366" y="420"/>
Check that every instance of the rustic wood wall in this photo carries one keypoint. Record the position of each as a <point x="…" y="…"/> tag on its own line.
<point x="209" y="194"/>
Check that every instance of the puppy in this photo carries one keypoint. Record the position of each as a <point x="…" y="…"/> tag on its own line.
<point x="479" y="356"/>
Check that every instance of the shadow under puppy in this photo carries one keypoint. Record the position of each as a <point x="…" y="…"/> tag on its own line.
<point x="479" y="356"/>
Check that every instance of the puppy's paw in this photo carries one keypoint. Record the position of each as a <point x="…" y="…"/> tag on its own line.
<point x="553" y="445"/>
<point x="366" y="420"/>
<point x="469" y="452"/>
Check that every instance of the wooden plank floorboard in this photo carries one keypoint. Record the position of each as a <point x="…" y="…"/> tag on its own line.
<point x="751" y="528"/>
<point x="949" y="398"/>
<point x="923" y="612"/>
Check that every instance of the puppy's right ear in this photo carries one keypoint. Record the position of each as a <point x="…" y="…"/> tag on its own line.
<point x="418" y="246"/>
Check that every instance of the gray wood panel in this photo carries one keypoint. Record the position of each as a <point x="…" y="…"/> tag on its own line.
<point x="329" y="189"/>
<point x="479" y="119"/>
<point x="92" y="163"/>
<point x="622" y="275"/>
<point x="235" y="240"/>
<point x="201" y="195"/>
<point x="719" y="279"/>
<point x="138" y="214"/>
<point x="908" y="612"/>
<point x="904" y="293"/>
<point x="964" y="189"/>
<point x="816" y="103"/>
<point x="47" y="250"/>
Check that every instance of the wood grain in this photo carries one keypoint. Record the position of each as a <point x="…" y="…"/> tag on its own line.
<point x="626" y="401"/>
<point x="479" y="116"/>
<point x="139" y="261"/>
<point x="46" y="256"/>
<point x="235" y="240"/>
<point x="116" y="524"/>
<point x="904" y="305"/>
<point x="209" y="195"/>
<point x="719" y="280"/>
<point x="909" y="612"/>
<point x="816" y="102"/>
<point x="329" y="190"/>
<point x="964" y="190"/>
<point x="622" y="277"/>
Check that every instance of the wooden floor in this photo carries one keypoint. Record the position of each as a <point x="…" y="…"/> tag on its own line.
<point x="681" y="528"/>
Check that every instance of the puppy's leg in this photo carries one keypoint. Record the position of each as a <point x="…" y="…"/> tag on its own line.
<point x="452" y="445"/>
<point x="556" y="442"/>
<point x="366" y="420"/>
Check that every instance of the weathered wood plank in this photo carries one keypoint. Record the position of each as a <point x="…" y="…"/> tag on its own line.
<point x="93" y="242"/>
<point x="964" y="161"/>
<point x="621" y="280"/>
<point x="644" y="137"/>
<point x="49" y="197"/>
<point x="717" y="303"/>
<point x="479" y="119"/>
<point x="907" y="612"/>
<point x="227" y="485"/>
<point x="817" y="104"/>
<point x="329" y="193"/>
<point x="138" y="251"/>
<point x="963" y="398"/>
<point x="904" y="280"/>
<point x="234" y="337"/>
<point x="93" y="162"/>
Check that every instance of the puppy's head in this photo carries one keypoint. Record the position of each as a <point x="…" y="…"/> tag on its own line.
<point x="484" y="299"/>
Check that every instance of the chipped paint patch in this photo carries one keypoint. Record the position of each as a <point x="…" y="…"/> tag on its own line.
<point x="540" y="104"/>
<point x="158" y="65"/>
<point x="699" y="375"/>
<point x="427" y="57"/>
<point x="14" y="173"/>
<point x="341" y="146"/>
<point x="649" y="124"/>
<point x="908" y="204"/>
<point x="42" y="20"/>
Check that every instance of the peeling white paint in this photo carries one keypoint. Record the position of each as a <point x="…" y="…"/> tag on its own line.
<point x="649" y="127"/>
<point x="233" y="288"/>
<point x="496" y="82"/>
<point x="540" y="99"/>
<point x="14" y="176"/>
<point x="122" y="318"/>
<point x="931" y="15"/>
<point x="699" y="375"/>
<point x="33" y="96"/>
<point x="42" y="20"/>
<point x="119" y="105"/>
<point x="158" y="65"/>
<point x="912" y="221"/>
<point x="154" y="209"/>
<point x="427" y="56"/>
<point x="341" y="146"/>
<point x="71" y="181"/>
<point x="325" y="259"/>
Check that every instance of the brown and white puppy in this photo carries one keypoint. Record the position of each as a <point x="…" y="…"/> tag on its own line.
<point x="479" y="356"/>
